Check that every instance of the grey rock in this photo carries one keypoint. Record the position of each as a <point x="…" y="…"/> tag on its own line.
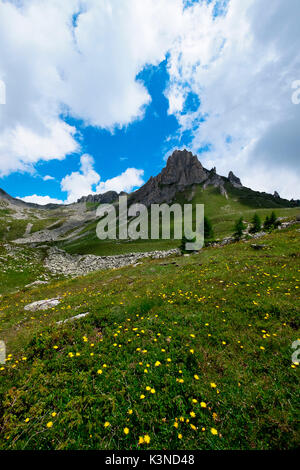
<point x="183" y="169"/>
<point x="217" y="181"/>
<point x="77" y="317"/>
<point x="36" y="283"/>
<point x="62" y="263"/>
<point x="42" y="304"/>
<point x="105" y="198"/>
<point x="234" y="180"/>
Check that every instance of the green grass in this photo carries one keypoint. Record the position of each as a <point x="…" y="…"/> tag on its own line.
<point x="17" y="227"/>
<point x="92" y="245"/>
<point x="227" y="316"/>
<point x="222" y="212"/>
<point x="24" y="266"/>
<point x="240" y="203"/>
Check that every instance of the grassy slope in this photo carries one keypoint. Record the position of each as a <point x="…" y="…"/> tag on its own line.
<point x="241" y="202"/>
<point x="227" y="316"/>
<point x="24" y="266"/>
<point x="17" y="227"/>
<point x="222" y="212"/>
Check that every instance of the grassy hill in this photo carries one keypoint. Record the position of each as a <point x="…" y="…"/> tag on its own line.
<point x="222" y="212"/>
<point x="184" y="353"/>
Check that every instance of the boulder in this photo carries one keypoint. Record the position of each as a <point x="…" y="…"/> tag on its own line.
<point x="42" y="304"/>
<point x="77" y="317"/>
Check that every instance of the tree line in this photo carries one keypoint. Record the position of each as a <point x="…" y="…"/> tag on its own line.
<point x="270" y="223"/>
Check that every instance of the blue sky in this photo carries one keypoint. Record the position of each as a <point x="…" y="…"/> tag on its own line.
<point x="141" y="144"/>
<point x="99" y="93"/>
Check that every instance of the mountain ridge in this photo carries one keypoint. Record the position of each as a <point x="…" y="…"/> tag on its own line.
<point x="182" y="170"/>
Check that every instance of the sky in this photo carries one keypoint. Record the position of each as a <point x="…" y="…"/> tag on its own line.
<point x="98" y="93"/>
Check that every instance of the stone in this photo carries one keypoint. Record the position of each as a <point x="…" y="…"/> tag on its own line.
<point x="36" y="283"/>
<point x="77" y="317"/>
<point x="259" y="247"/>
<point x="60" y="262"/>
<point x="42" y="304"/>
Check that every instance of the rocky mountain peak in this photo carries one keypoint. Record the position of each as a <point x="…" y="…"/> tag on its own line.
<point x="184" y="169"/>
<point x="234" y="180"/>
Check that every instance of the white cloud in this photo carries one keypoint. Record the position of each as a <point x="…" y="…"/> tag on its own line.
<point x="52" y="66"/>
<point x="41" y="200"/>
<point x="31" y="128"/>
<point x="83" y="182"/>
<point x="48" y="178"/>
<point x="241" y="65"/>
<point x="127" y="181"/>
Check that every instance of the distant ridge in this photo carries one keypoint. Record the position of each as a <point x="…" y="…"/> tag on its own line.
<point x="18" y="202"/>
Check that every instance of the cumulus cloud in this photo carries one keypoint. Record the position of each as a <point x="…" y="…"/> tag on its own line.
<point x="78" y="58"/>
<point x="127" y="181"/>
<point x="41" y="200"/>
<point x="83" y="182"/>
<point x="241" y="65"/>
<point x="31" y="127"/>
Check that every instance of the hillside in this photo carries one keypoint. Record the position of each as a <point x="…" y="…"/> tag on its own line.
<point x="184" y="353"/>
<point x="183" y="180"/>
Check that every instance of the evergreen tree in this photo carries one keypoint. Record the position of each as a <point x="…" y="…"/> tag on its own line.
<point x="208" y="230"/>
<point x="183" y="243"/>
<point x="267" y="224"/>
<point x="273" y="220"/>
<point x="256" y="224"/>
<point x="239" y="227"/>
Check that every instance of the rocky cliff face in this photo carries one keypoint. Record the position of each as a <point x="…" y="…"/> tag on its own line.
<point x="183" y="170"/>
<point x="106" y="198"/>
<point x="234" y="180"/>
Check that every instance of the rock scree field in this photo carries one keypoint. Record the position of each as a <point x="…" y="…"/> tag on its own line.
<point x="187" y="352"/>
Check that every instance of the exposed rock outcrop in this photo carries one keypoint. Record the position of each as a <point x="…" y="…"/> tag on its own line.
<point x="217" y="181"/>
<point x="234" y="180"/>
<point x="105" y="198"/>
<point x="77" y="317"/>
<point x="60" y="262"/>
<point x="183" y="169"/>
<point x="42" y="304"/>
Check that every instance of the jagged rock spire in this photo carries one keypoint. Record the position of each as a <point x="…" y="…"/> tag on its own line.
<point x="234" y="180"/>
